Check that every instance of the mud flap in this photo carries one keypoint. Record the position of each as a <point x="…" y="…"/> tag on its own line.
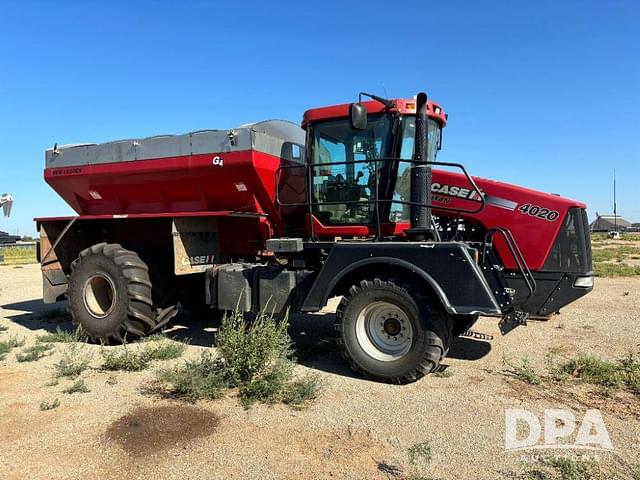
<point x="163" y="317"/>
<point x="511" y="321"/>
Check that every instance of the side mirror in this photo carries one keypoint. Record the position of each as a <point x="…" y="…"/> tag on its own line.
<point x="358" y="116"/>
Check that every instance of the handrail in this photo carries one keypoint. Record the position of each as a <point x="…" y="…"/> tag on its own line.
<point x="310" y="165"/>
<point x="516" y="253"/>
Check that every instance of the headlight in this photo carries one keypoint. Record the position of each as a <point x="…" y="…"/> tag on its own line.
<point x="583" y="282"/>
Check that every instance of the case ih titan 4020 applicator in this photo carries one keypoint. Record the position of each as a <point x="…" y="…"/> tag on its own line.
<point x="352" y="204"/>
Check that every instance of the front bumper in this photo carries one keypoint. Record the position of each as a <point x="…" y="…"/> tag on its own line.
<point x="569" y="288"/>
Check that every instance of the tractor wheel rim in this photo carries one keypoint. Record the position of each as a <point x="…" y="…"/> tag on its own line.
<point x="99" y="295"/>
<point x="384" y="331"/>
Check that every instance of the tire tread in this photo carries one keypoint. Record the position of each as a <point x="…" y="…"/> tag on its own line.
<point x="437" y="342"/>
<point x="141" y="318"/>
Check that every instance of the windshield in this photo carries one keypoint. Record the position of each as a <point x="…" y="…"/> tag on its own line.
<point x="350" y="185"/>
<point x="409" y="135"/>
<point x="400" y="212"/>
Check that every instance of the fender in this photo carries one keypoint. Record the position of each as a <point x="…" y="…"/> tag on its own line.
<point x="440" y="265"/>
<point x="390" y="261"/>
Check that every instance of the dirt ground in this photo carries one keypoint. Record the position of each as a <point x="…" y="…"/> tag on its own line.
<point x="356" y="429"/>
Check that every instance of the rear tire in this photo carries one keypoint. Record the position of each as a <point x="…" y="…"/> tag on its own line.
<point x="110" y="294"/>
<point x="390" y="334"/>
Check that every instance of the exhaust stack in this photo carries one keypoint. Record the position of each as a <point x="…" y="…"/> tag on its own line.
<point x="421" y="224"/>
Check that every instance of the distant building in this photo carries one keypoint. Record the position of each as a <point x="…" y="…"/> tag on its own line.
<point x="606" y="223"/>
<point x="6" y="238"/>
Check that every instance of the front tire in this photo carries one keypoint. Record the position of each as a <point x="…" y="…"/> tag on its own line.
<point x="390" y="334"/>
<point x="110" y="294"/>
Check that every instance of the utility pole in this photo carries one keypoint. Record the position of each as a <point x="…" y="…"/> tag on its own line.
<point x="615" y="208"/>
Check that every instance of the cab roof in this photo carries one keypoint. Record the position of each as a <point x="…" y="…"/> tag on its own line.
<point x="402" y="106"/>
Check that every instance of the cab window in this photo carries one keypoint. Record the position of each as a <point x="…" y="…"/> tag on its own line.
<point x="348" y="186"/>
<point x="402" y="191"/>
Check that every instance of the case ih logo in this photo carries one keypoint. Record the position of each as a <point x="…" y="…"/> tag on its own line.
<point x="198" y="260"/>
<point x="455" y="191"/>
<point x="443" y="193"/>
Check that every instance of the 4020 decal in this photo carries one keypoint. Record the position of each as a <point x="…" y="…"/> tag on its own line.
<point x="539" y="212"/>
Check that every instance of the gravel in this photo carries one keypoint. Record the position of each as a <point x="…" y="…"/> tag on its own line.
<point x="356" y="429"/>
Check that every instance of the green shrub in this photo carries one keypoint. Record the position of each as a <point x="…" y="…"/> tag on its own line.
<point x="195" y="379"/>
<point x="592" y="369"/>
<point x="420" y="452"/>
<point x="123" y="358"/>
<point x="156" y="337"/>
<point x="78" y="387"/>
<point x="256" y="356"/>
<point x="49" y="405"/>
<point x="251" y="351"/>
<point x="34" y="353"/>
<point x="419" y="456"/>
<point x="269" y="386"/>
<point x="614" y="253"/>
<point x="631" y="373"/>
<point x="615" y="270"/>
<point x="9" y="344"/>
<point x="564" y="468"/>
<point x="536" y="474"/>
<point x="522" y="371"/>
<point x="253" y="357"/>
<point x="606" y="373"/>
<point x="165" y="350"/>
<point x="570" y="469"/>
<point x="62" y="336"/>
<point x="74" y="361"/>
<point x="302" y="390"/>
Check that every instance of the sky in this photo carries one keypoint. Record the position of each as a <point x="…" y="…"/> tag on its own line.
<point x="543" y="94"/>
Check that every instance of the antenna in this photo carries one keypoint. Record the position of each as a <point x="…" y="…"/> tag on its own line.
<point x="615" y="208"/>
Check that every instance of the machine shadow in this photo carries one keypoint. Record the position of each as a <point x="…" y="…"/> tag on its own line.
<point x="316" y="347"/>
<point x="468" y="347"/>
<point x="315" y="344"/>
<point x="312" y="334"/>
<point x="36" y="315"/>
